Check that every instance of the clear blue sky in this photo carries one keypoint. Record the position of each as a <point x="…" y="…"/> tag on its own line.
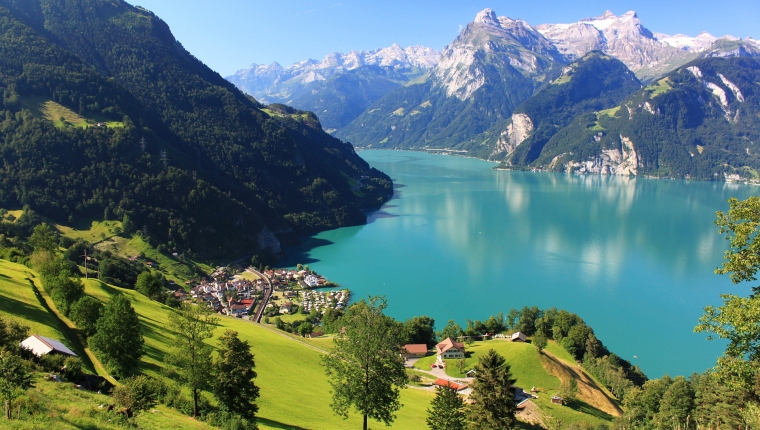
<point x="229" y="35"/>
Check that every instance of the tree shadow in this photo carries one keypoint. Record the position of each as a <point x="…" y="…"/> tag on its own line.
<point x="583" y="407"/>
<point x="277" y="424"/>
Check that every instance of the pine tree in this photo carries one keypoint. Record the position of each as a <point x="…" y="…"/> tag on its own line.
<point x="233" y="376"/>
<point x="117" y="341"/>
<point x="493" y="402"/>
<point x="446" y="410"/>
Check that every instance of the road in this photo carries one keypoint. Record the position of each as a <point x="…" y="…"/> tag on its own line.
<point x="262" y="305"/>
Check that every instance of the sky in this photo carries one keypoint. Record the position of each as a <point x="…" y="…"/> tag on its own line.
<point x="229" y="35"/>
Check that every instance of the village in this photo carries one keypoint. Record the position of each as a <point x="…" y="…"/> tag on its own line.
<point x="247" y="293"/>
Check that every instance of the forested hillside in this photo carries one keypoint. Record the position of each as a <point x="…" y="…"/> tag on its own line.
<point x="700" y="121"/>
<point x="106" y="115"/>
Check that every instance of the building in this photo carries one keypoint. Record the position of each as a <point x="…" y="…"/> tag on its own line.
<point x="414" y="350"/>
<point x="449" y="384"/>
<point x="450" y="349"/>
<point x="557" y="400"/>
<point x="41" y="345"/>
<point x="518" y="337"/>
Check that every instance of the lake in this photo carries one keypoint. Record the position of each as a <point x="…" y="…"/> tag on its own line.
<point x="633" y="257"/>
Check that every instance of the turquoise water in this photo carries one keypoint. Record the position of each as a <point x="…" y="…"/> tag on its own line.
<point x="632" y="257"/>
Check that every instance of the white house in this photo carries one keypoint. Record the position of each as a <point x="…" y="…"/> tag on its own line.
<point x="449" y="349"/>
<point x="41" y="345"/>
<point x="518" y="337"/>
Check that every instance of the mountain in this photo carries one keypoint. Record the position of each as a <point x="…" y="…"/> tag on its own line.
<point x="593" y="83"/>
<point x="339" y="87"/>
<point x="649" y="54"/>
<point x="106" y="115"/>
<point x="701" y="121"/>
<point x="494" y="64"/>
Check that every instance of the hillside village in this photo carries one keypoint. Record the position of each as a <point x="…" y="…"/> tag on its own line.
<point x="235" y="295"/>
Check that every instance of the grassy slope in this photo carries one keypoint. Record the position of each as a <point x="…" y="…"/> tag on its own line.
<point x="18" y="301"/>
<point x="294" y="389"/>
<point x="533" y="370"/>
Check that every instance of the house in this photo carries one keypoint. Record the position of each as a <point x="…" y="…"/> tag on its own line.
<point x="449" y="349"/>
<point x="449" y="384"/>
<point x="557" y="400"/>
<point x="41" y="345"/>
<point x="414" y="350"/>
<point x="239" y="310"/>
<point x="471" y="373"/>
<point x="518" y="337"/>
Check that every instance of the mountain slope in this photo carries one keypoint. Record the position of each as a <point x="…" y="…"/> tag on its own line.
<point x="494" y="65"/>
<point x="199" y="164"/>
<point x="701" y="121"/>
<point x="593" y="83"/>
<point x="339" y="87"/>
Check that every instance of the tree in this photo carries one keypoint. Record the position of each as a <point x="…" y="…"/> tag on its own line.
<point x="150" y="286"/>
<point x="420" y="330"/>
<point x="493" y="403"/>
<point x="568" y="389"/>
<point x="138" y="393"/>
<point x="677" y="404"/>
<point x="190" y="356"/>
<point x="365" y="369"/>
<point x="85" y="313"/>
<point x="451" y="330"/>
<point x="737" y="319"/>
<point x="118" y="340"/>
<point x="233" y="376"/>
<point x="42" y="239"/>
<point x="11" y="334"/>
<point x="540" y="341"/>
<point x="740" y="224"/>
<point x="446" y="410"/>
<point x="15" y="378"/>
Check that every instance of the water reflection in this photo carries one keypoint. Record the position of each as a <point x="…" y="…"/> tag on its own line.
<point x="633" y="256"/>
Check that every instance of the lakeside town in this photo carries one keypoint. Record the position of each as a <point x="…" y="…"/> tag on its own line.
<point x="248" y="293"/>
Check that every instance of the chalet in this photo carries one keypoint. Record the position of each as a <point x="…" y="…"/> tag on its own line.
<point x="449" y="349"/>
<point x="449" y="384"/>
<point x="557" y="400"/>
<point x="238" y="310"/>
<point x="41" y="345"/>
<point x="414" y="350"/>
<point x="518" y="337"/>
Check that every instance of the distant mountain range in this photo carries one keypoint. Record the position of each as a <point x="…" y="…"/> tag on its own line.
<point x="511" y="92"/>
<point x="339" y="87"/>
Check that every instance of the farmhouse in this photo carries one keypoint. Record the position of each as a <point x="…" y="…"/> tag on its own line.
<point x="518" y="337"/>
<point x="414" y="350"/>
<point x="41" y="345"/>
<point x="449" y="349"/>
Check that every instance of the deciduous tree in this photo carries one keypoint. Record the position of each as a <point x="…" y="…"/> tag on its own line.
<point x="493" y="403"/>
<point x="85" y="313"/>
<point x="191" y="357"/>
<point x="365" y="369"/>
<point x="15" y="378"/>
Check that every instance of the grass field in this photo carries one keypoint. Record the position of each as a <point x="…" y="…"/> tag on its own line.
<point x="62" y="116"/>
<point x="19" y="302"/>
<point x="294" y="389"/>
<point x="662" y="86"/>
<point x="91" y="231"/>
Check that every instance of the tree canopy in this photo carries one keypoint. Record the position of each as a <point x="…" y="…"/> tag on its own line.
<point x="493" y="402"/>
<point x="365" y="368"/>
<point x="118" y="341"/>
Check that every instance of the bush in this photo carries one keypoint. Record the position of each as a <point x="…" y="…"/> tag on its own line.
<point x="52" y="363"/>
<point x="72" y="368"/>
<point x="228" y="421"/>
<point x="138" y="393"/>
